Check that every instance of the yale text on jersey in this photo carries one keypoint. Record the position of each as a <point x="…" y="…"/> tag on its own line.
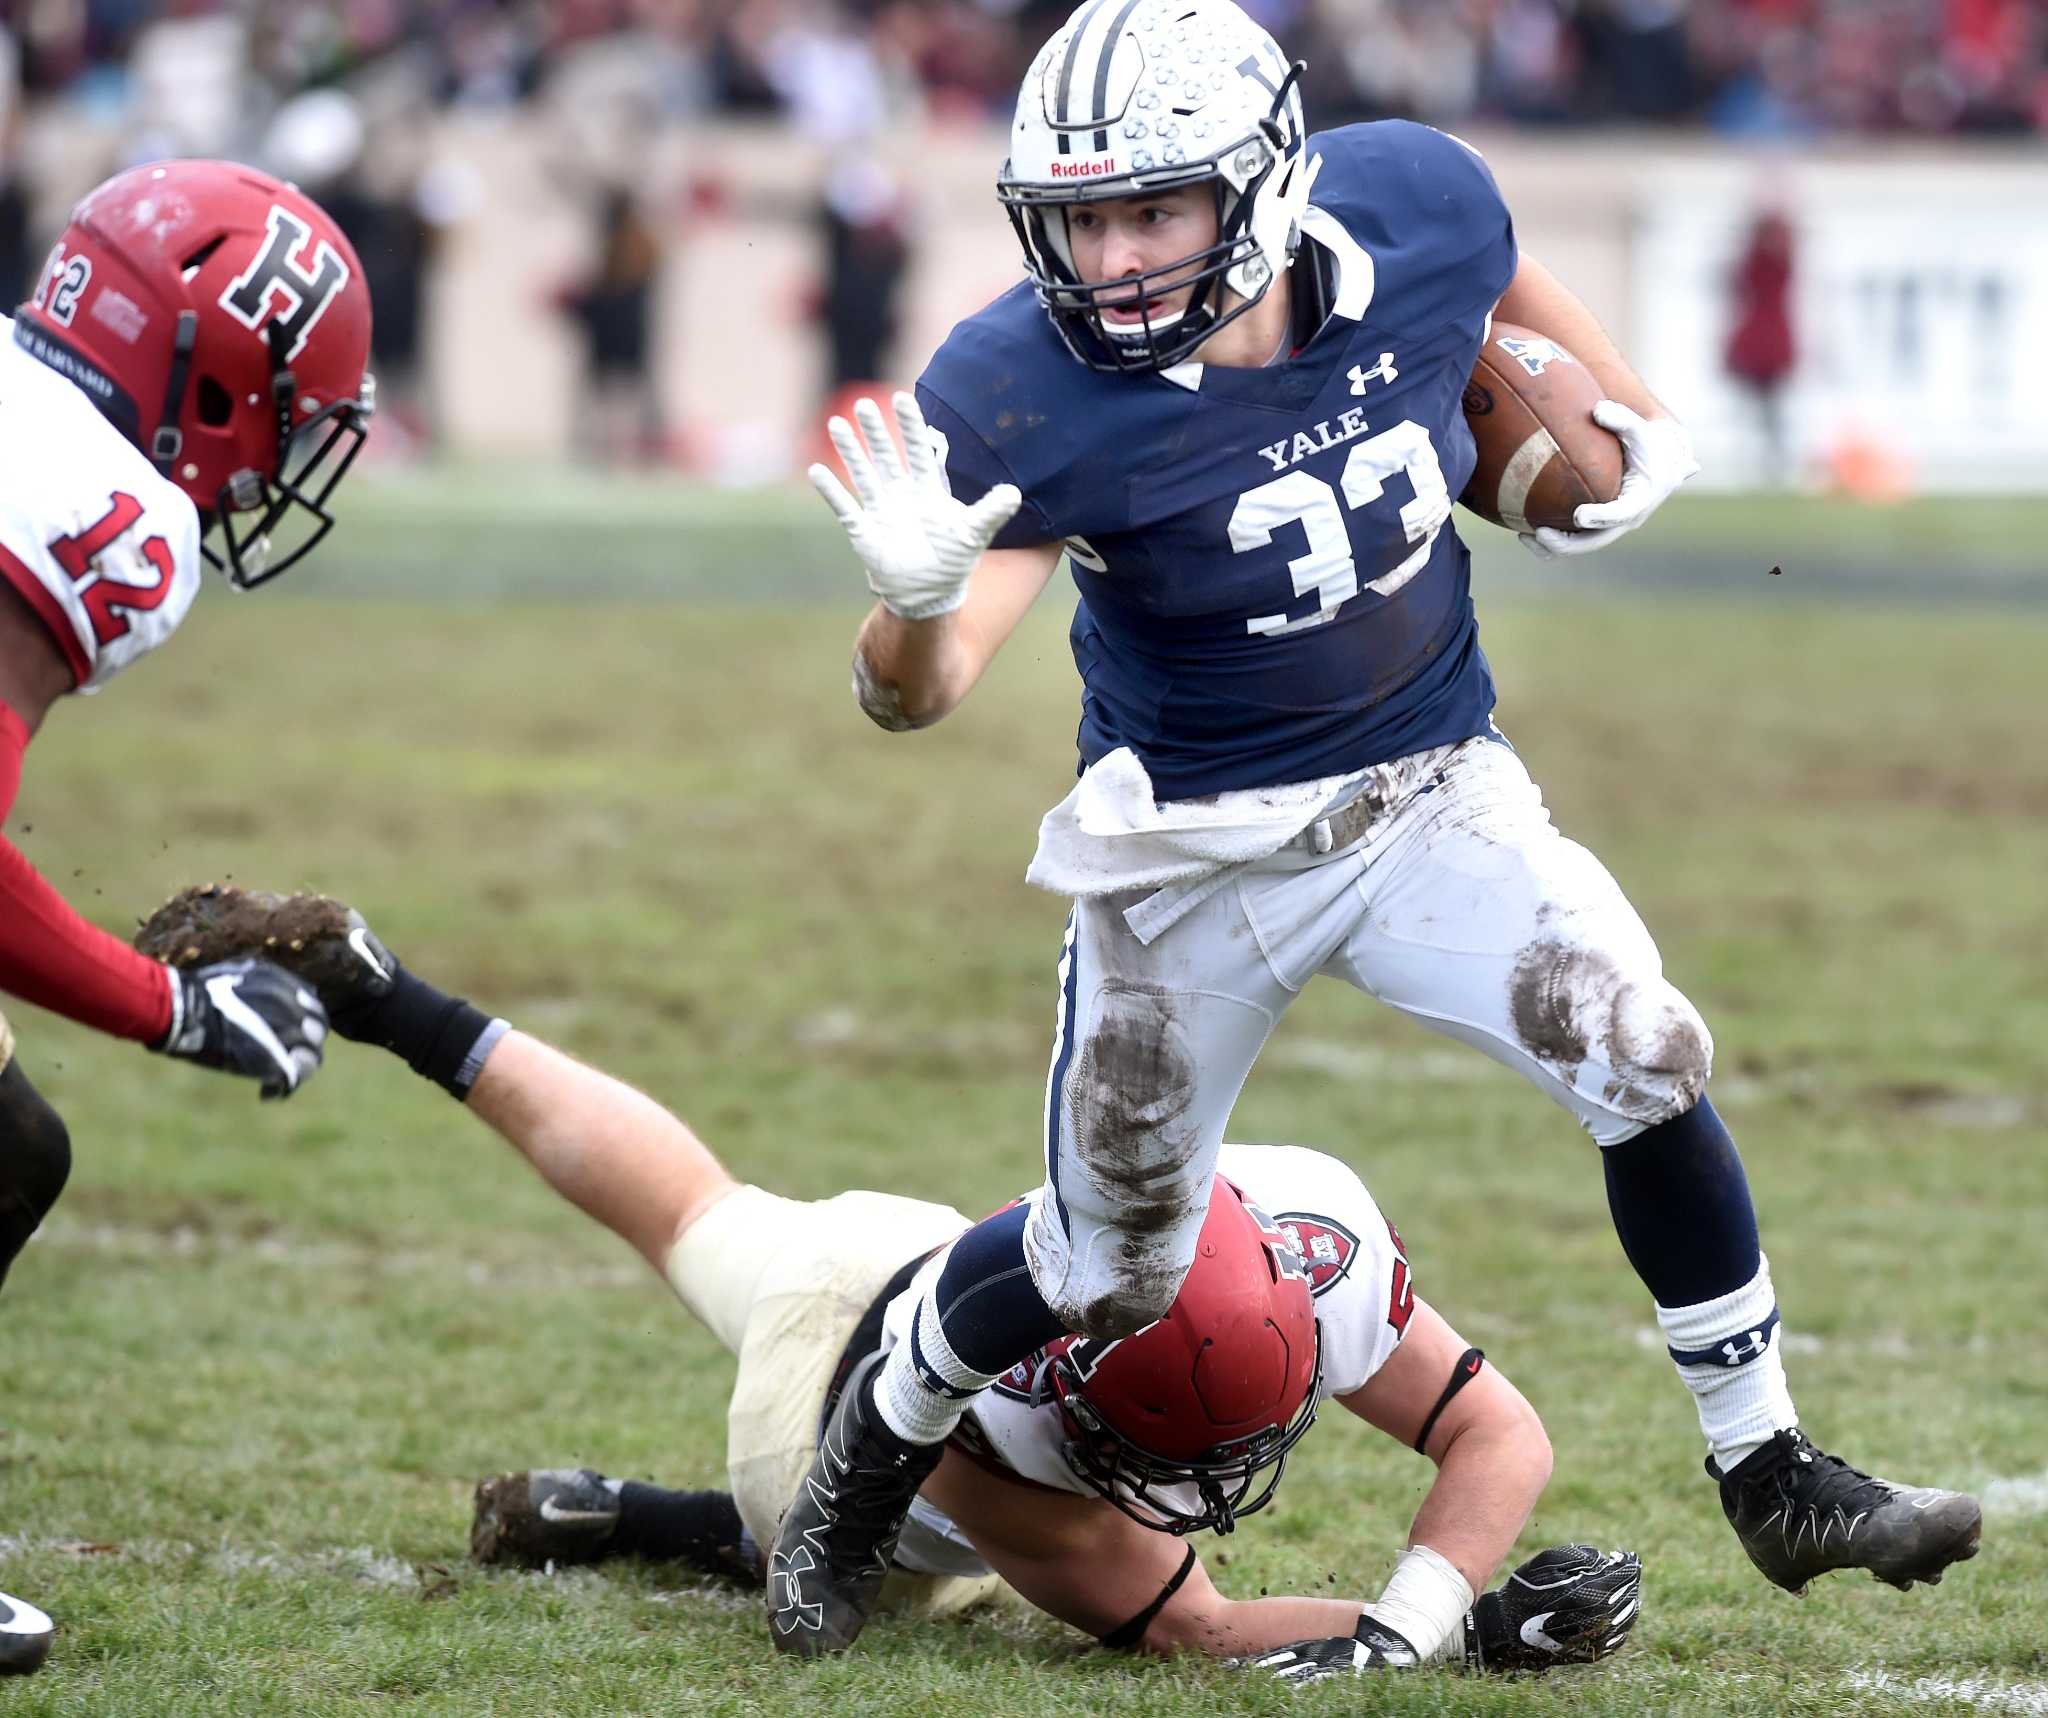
<point x="1349" y="425"/>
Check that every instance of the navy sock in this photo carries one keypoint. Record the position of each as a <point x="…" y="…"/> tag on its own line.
<point x="1681" y="1205"/>
<point x="700" y="1528"/>
<point x="990" y="1310"/>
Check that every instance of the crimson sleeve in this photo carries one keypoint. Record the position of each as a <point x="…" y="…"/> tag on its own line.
<point x="51" y="957"/>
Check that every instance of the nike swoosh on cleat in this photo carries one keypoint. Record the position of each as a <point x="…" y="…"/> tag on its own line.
<point x="550" y="1510"/>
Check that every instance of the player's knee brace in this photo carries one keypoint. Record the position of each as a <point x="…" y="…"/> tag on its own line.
<point x="35" y="1162"/>
<point x="1659" y="1052"/>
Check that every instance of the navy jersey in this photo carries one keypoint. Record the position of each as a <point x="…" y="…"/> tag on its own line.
<point x="1270" y="587"/>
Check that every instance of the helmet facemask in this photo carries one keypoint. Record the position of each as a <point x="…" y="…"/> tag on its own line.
<point x="1230" y="1481"/>
<point x="313" y="457"/>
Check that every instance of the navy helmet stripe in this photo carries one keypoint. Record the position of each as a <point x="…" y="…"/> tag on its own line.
<point x="1101" y="108"/>
<point x="1060" y="113"/>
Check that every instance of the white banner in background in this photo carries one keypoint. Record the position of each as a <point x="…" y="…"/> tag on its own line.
<point x="1920" y="318"/>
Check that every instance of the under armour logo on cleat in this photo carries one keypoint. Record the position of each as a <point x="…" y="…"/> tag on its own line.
<point x="792" y="1610"/>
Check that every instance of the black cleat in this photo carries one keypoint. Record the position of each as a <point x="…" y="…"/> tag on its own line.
<point x="832" y="1554"/>
<point x="550" y="1515"/>
<point x="25" y="1636"/>
<point x="1801" y="1512"/>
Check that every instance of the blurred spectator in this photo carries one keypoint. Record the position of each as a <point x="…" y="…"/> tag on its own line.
<point x="1761" y="351"/>
<point x="392" y="209"/>
<point x="866" y="254"/>
<point x="621" y="419"/>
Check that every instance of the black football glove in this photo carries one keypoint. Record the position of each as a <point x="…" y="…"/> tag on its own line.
<point x="1567" y="1605"/>
<point x="251" y="1018"/>
<point x="1373" y="1647"/>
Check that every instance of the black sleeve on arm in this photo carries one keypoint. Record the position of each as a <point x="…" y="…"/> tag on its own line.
<point x="1127" y="1635"/>
<point x="1462" y="1374"/>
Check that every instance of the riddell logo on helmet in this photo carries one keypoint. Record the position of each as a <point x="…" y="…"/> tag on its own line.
<point x="1084" y="169"/>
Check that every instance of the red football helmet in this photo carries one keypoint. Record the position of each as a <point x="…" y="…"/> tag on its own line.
<point x="1213" y="1396"/>
<point x="220" y="320"/>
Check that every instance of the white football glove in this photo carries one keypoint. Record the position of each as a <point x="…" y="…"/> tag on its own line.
<point x="1656" y="459"/>
<point x="917" y="543"/>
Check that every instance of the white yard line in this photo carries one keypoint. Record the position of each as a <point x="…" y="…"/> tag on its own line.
<point x="2027" y="1699"/>
<point x="2017" y="1494"/>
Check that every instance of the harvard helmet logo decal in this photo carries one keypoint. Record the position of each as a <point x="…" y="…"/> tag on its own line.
<point x="298" y="293"/>
<point x="1325" y="1245"/>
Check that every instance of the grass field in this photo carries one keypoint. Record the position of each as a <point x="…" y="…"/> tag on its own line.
<point x="585" y="751"/>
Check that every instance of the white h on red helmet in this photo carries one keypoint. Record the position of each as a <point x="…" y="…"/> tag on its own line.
<point x="1133" y="96"/>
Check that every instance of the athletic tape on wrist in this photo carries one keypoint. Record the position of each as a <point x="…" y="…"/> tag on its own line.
<point x="1424" y="1601"/>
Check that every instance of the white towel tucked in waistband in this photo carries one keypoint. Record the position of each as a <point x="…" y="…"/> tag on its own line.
<point x="1111" y="834"/>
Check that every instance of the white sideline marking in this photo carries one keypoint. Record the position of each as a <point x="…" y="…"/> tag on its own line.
<point x="2030" y="1699"/>
<point x="2020" y="1494"/>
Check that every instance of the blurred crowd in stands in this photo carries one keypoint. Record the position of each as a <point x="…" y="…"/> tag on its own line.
<point x="341" y="96"/>
<point x="1773" y="67"/>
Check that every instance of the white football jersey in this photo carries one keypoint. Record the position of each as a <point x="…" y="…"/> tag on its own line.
<point x="1357" y="1272"/>
<point x="98" y="543"/>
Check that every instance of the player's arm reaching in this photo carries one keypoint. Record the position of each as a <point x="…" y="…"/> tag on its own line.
<point x="243" y="1016"/>
<point x="1656" y="450"/>
<point x="947" y="600"/>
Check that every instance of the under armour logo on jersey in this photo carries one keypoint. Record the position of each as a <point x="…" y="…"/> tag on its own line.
<point x="297" y="295"/>
<point x="1383" y="371"/>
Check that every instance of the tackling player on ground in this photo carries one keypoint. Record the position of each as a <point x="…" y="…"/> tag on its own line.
<point x="1076" y="1479"/>
<point x="192" y="364"/>
<point x="1229" y="393"/>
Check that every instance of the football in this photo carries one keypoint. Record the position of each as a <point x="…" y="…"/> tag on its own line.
<point x="1541" y="455"/>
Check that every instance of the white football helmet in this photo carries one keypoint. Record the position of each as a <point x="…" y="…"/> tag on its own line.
<point x="1133" y="96"/>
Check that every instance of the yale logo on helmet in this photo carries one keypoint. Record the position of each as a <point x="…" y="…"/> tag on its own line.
<point x="301" y="298"/>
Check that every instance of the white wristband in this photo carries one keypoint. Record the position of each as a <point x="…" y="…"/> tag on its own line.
<point x="1424" y="1601"/>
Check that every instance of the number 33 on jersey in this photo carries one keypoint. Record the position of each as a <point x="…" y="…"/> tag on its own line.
<point x="1270" y="587"/>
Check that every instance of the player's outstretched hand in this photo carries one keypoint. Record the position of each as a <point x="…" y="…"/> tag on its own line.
<point x="251" y="1018"/>
<point x="917" y="543"/>
<point x="1656" y="458"/>
<point x="1373" y="1646"/>
<point x="1567" y="1605"/>
<point x="316" y="937"/>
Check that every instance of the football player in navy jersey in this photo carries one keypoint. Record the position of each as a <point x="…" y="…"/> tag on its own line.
<point x="1228" y="393"/>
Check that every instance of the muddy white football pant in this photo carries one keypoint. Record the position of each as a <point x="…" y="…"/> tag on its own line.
<point x="1459" y="905"/>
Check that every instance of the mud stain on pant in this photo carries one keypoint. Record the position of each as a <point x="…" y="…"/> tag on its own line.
<point x="1131" y="1101"/>
<point x="1569" y="1002"/>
